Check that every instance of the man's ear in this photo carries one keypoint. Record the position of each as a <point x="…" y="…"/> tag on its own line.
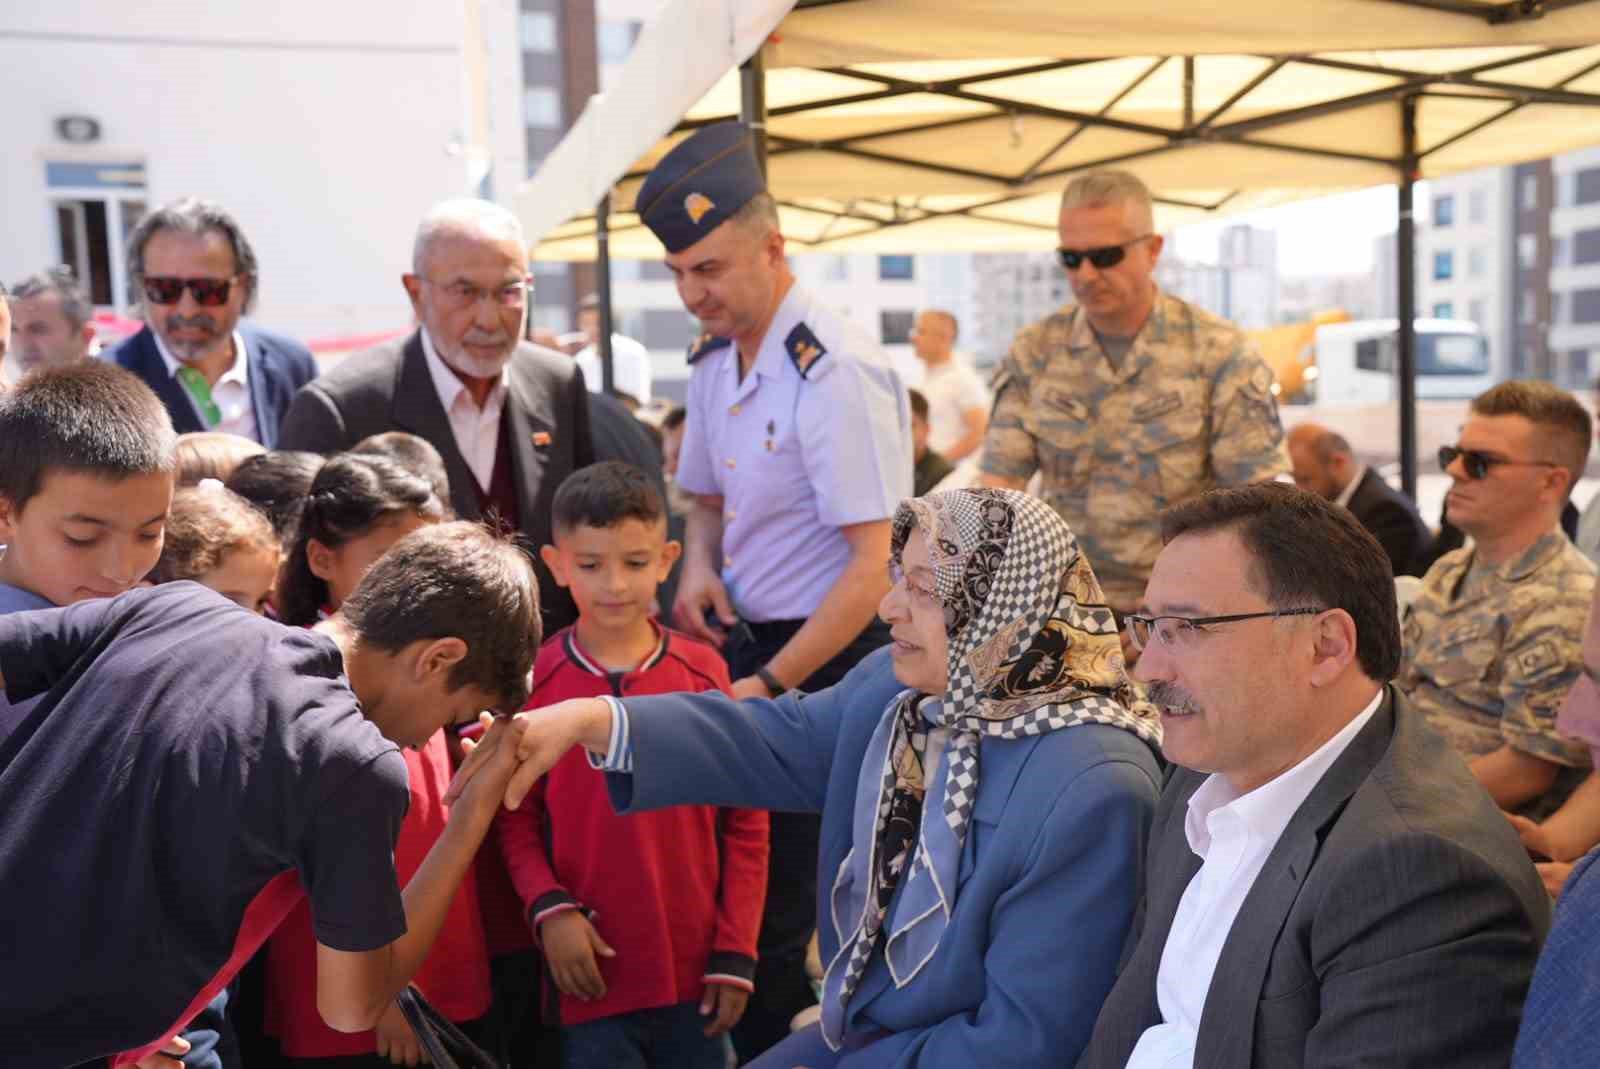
<point x="555" y="562"/>
<point x="1334" y="647"/>
<point x="9" y="516"/>
<point x="413" y="286"/>
<point x="436" y="657"/>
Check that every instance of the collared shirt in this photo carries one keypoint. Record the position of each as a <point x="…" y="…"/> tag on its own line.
<point x="1349" y="491"/>
<point x="231" y="392"/>
<point x="1188" y="409"/>
<point x="1233" y="835"/>
<point x="794" y="457"/>
<point x="953" y="389"/>
<point x="1490" y="653"/>
<point x="630" y="368"/>
<point x="476" y="430"/>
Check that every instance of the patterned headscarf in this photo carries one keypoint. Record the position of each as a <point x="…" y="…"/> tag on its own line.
<point x="1033" y="648"/>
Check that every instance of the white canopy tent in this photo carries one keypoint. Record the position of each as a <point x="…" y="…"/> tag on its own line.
<point x="921" y="125"/>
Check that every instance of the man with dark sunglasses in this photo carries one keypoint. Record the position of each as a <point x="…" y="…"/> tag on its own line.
<point x="1493" y="640"/>
<point x="195" y="275"/>
<point x="1130" y="400"/>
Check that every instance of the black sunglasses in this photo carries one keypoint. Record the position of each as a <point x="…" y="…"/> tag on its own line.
<point x="1102" y="257"/>
<point x="208" y="292"/>
<point x="1477" y="464"/>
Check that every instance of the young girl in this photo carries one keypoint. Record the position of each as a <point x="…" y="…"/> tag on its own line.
<point x="219" y="540"/>
<point x="357" y="508"/>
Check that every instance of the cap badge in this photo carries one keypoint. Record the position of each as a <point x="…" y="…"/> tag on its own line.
<point x="697" y="204"/>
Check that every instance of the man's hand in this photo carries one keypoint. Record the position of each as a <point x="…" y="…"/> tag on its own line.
<point x="548" y="733"/>
<point x="482" y="778"/>
<point x="167" y="1057"/>
<point x="749" y="687"/>
<point x="1535" y="839"/>
<point x="1554" y="874"/>
<point x="700" y="590"/>
<point x="570" y="945"/>
<point x="396" y="1040"/>
<point x="726" y="1002"/>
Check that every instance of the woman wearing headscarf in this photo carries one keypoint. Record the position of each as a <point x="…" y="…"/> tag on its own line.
<point x="985" y="786"/>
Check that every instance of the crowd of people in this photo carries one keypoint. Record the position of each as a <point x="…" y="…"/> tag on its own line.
<point x="822" y="722"/>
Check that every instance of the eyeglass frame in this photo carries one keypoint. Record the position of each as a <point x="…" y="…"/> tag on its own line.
<point x="1132" y="621"/>
<point x="477" y="294"/>
<point x="1477" y="463"/>
<point x="899" y="575"/>
<point x="189" y="283"/>
<point x="1104" y="257"/>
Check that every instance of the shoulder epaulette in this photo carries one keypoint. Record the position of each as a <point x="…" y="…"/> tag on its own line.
<point x="707" y="343"/>
<point x="804" y="349"/>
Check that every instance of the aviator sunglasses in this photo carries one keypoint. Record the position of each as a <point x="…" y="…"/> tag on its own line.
<point x="1102" y="257"/>
<point x="1477" y="464"/>
<point x="208" y="292"/>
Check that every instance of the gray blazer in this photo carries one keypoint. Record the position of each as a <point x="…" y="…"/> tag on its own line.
<point x="388" y="388"/>
<point x="1396" y="922"/>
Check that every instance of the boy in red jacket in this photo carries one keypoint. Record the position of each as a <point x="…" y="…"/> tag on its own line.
<point x="648" y="922"/>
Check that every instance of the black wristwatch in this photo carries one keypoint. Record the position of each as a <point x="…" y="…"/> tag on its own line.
<point x="774" y="687"/>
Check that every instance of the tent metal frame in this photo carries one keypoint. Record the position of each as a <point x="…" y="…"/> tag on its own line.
<point x="1409" y="88"/>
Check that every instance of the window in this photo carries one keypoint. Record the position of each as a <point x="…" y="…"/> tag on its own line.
<point x="1444" y="210"/>
<point x="1527" y="308"/>
<point x="96" y="206"/>
<point x="1527" y="251"/>
<point x="541" y="107"/>
<point x="1586" y="306"/>
<point x="1375" y="354"/>
<point x="538" y="32"/>
<point x="1578" y="368"/>
<point x="1444" y="310"/>
<point x="896" y="268"/>
<point x="1558" y="252"/>
<point x="1444" y="265"/>
<point x="1475" y="262"/>
<point x="1477" y="206"/>
<point x="1586" y="247"/>
<point x="1589" y="186"/>
<point x="1555" y="308"/>
<point x="1529" y="188"/>
<point x="1475" y="311"/>
<point x="894" y="325"/>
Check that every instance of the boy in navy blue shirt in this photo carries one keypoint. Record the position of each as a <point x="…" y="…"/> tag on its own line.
<point x="170" y="716"/>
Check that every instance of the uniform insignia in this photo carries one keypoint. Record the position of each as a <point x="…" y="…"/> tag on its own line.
<point x="697" y="204"/>
<point x="707" y="343"/>
<point x="541" y="439"/>
<point x="804" y="348"/>
<point x="1539" y="659"/>
<point x="1261" y="380"/>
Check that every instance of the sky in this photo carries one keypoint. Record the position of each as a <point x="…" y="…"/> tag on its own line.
<point x="1330" y="235"/>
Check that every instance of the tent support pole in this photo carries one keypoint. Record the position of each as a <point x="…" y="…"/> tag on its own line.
<point x="602" y="285"/>
<point x="753" y="102"/>
<point x="1405" y="250"/>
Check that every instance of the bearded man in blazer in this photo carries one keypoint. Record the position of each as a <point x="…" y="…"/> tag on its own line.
<point x="510" y="418"/>
<point x="1324" y="463"/>
<point x="1327" y="884"/>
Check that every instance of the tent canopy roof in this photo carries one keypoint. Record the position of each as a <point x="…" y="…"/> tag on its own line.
<point x="960" y="135"/>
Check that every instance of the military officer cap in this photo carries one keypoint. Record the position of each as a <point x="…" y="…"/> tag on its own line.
<point x="699" y="184"/>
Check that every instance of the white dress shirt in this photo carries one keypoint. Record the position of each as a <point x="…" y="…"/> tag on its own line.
<point x="1232" y="834"/>
<point x="1349" y="491"/>
<point x="230" y="393"/>
<point x="630" y="368"/>
<point x="476" y="430"/>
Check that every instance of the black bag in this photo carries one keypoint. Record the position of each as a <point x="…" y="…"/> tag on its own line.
<point x="446" y="1046"/>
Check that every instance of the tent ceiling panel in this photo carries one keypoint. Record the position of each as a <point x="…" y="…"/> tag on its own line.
<point x="1010" y="146"/>
<point x="1530" y="133"/>
<point x="868" y="117"/>
<point x="1373" y="131"/>
<point x="1548" y="71"/>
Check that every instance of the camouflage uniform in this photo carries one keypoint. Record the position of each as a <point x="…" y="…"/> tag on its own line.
<point x="1190" y="409"/>
<point x="1489" y="656"/>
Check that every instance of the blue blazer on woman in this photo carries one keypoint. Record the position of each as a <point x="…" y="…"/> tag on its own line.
<point x="1050" y="873"/>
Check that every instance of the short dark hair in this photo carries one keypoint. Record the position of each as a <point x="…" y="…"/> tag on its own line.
<point x="90" y="417"/>
<point x="1560" y="420"/>
<point x="192" y="215"/>
<point x="351" y="494"/>
<point x="605" y="494"/>
<point x="76" y="307"/>
<point x="212" y="455"/>
<point x="204" y="526"/>
<point x="919" y="405"/>
<point x="1308" y="553"/>
<point x="277" y="482"/>
<point x="676" y="417"/>
<point x="456" y="580"/>
<point x="413" y="452"/>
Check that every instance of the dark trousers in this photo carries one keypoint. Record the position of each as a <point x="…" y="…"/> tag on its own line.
<point x="782" y="989"/>
<point x="667" y="1037"/>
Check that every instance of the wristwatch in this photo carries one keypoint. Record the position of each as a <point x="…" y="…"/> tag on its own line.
<point x="773" y="685"/>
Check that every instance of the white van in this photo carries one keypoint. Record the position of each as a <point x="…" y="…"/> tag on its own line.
<point x="1356" y="361"/>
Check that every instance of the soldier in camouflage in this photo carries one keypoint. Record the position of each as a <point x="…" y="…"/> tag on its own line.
<point x="1493" y="640"/>
<point x="1129" y="401"/>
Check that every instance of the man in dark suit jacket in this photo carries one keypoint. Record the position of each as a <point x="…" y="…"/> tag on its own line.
<point x="510" y="419"/>
<point x="1325" y="464"/>
<point x="1326" y="884"/>
<point x="196" y="274"/>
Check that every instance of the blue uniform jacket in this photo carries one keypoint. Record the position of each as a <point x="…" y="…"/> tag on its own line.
<point x="1050" y="873"/>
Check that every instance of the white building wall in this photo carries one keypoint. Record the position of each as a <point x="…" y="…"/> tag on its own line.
<point x="1478" y="238"/>
<point x="327" y="129"/>
<point x="1567" y="277"/>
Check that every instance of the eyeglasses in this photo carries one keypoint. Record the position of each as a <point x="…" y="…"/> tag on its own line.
<point x="1174" y="631"/>
<point x="208" y="292"/>
<point x="1476" y="463"/>
<point x="897" y="575"/>
<point x="465" y="293"/>
<point x="1103" y="257"/>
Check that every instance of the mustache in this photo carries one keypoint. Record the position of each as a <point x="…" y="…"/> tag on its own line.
<point x="1171" y="696"/>
<point x="200" y="322"/>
